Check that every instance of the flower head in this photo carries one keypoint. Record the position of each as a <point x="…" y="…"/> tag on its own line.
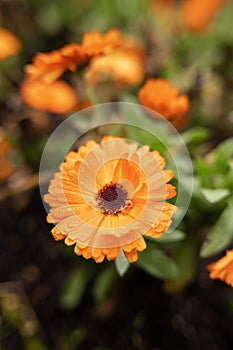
<point x="165" y="99"/>
<point x="122" y="67"/>
<point x="107" y="195"/>
<point x="56" y="97"/>
<point x="51" y="65"/>
<point x="223" y="268"/>
<point x="9" y="44"/>
<point x="197" y="14"/>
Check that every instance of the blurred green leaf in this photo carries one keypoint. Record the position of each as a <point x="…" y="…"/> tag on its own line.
<point x="34" y="343"/>
<point x="221" y="233"/>
<point x="157" y="263"/>
<point x="122" y="264"/>
<point x="215" y="195"/>
<point x="185" y="258"/>
<point x="174" y="236"/>
<point x="104" y="282"/>
<point x="195" y="135"/>
<point x="74" y="287"/>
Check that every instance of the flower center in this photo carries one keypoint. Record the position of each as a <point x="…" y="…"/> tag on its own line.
<point x="112" y="198"/>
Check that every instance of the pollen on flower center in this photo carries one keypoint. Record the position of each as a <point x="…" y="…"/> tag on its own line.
<point x="112" y="198"/>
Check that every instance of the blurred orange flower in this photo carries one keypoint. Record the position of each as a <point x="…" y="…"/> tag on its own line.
<point x="223" y="268"/>
<point x="122" y="67"/>
<point x="6" y="167"/>
<point x="56" y="97"/>
<point x="95" y="43"/>
<point x="107" y="195"/>
<point x="9" y="44"/>
<point x="50" y="66"/>
<point x="165" y="99"/>
<point x="197" y="14"/>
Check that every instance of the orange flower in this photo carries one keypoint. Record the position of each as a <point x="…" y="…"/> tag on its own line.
<point x="9" y="44"/>
<point x="107" y="195"/>
<point x="122" y="67"/>
<point x="50" y="66"/>
<point x="160" y="96"/>
<point x="197" y="14"/>
<point x="95" y="43"/>
<point x="56" y="97"/>
<point x="223" y="268"/>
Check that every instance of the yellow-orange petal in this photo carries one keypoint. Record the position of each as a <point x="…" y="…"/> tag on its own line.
<point x="171" y="191"/>
<point x="57" y="234"/>
<point x="131" y="256"/>
<point x="9" y="44"/>
<point x="57" y="97"/>
<point x="223" y="268"/>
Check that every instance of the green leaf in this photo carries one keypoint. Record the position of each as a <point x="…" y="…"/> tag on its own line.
<point x="221" y="233"/>
<point x="122" y="264"/>
<point x="104" y="282"/>
<point x="174" y="236"/>
<point x="215" y="195"/>
<point x="157" y="263"/>
<point x="74" y="287"/>
<point x="195" y="135"/>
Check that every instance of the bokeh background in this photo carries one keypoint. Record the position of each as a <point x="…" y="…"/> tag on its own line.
<point x="49" y="297"/>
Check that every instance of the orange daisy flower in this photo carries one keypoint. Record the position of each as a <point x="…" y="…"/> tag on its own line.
<point x="50" y="66"/>
<point x="223" y="268"/>
<point x="197" y="14"/>
<point x="95" y="43"/>
<point x="9" y="44"/>
<point x="160" y="96"/>
<point x="56" y="97"/>
<point x="107" y="195"/>
<point x="122" y="67"/>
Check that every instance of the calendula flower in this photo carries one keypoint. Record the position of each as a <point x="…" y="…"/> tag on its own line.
<point x="56" y="97"/>
<point x="50" y="66"/>
<point x="9" y="44"/>
<point x="165" y="99"/>
<point x="223" y="268"/>
<point x="95" y="43"/>
<point x="107" y="195"/>
<point x="197" y="14"/>
<point x="122" y="67"/>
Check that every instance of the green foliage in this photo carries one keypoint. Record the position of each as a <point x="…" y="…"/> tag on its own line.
<point x="74" y="287"/>
<point x="221" y="234"/>
<point x="157" y="263"/>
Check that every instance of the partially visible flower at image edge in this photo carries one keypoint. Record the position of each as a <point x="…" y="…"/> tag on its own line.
<point x="159" y="95"/>
<point x="107" y="196"/>
<point x="9" y="44"/>
<point x="223" y="268"/>
<point x="197" y="14"/>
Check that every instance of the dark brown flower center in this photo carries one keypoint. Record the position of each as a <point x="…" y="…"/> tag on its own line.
<point x="112" y="198"/>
